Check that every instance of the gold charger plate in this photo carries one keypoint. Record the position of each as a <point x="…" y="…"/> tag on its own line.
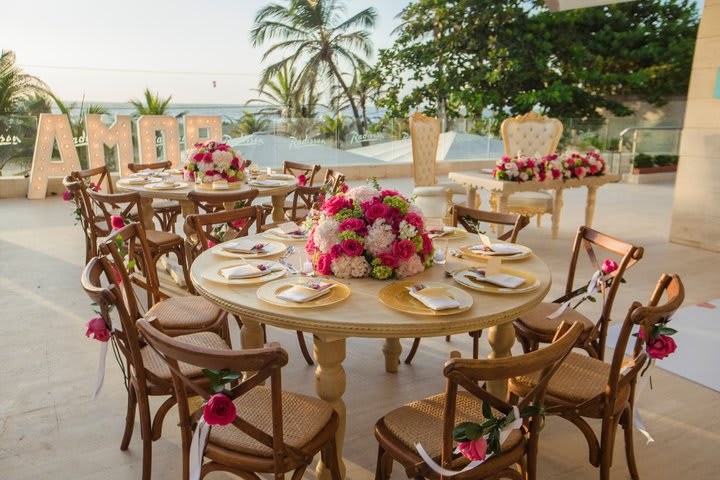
<point x="526" y="252"/>
<point x="271" y="248"/>
<point x="214" y="274"/>
<point x="208" y="186"/>
<point x="267" y="293"/>
<point x="531" y="282"/>
<point x="160" y="186"/>
<point x="397" y="296"/>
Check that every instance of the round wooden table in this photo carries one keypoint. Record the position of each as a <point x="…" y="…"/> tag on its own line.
<point x="277" y="195"/>
<point x="363" y="315"/>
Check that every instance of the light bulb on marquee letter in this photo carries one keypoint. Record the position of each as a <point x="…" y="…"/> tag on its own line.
<point x="118" y="136"/>
<point x="147" y="125"/>
<point x="51" y="128"/>
<point x="193" y="124"/>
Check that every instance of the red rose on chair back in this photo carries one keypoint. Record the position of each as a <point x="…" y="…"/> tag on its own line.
<point x="660" y="347"/>
<point x="302" y="180"/>
<point x="219" y="410"/>
<point x="609" y="266"/>
<point x="97" y="328"/>
<point x="474" y="449"/>
<point x="68" y="195"/>
<point x="118" y="222"/>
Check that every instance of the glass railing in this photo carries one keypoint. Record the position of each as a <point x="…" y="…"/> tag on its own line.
<point x="338" y="140"/>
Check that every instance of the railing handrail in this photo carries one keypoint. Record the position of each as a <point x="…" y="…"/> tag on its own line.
<point x="635" y="130"/>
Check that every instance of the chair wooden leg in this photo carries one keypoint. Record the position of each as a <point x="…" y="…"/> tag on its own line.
<point x="413" y="351"/>
<point x="182" y="260"/>
<point x="303" y="347"/>
<point x="129" y="418"/>
<point x="607" y="442"/>
<point x="146" y="434"/>
<point x="448" y="337"/>
<point x="331" y="461"/>
<point x="157" y="423"/>
<point x="476" y="343"/>
<point x="383" y="468"/>
<point x="627" y="424"/>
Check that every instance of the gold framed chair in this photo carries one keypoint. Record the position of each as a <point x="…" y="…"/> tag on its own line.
<point x="530" y="134"/>
<point x="434" y="198"/>
<point x="585" y="387"/>
<point x="430" y="421"/>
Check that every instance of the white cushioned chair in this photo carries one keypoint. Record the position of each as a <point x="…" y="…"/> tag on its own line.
<point x="531" y="134"/>
<point x="434" y="198"/>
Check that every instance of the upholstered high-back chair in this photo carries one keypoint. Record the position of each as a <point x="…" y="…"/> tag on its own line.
<point x="531" y="134"/>
<point x="435" y="199"/>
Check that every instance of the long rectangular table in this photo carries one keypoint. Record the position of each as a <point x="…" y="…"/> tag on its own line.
<point x="503" y="189"/>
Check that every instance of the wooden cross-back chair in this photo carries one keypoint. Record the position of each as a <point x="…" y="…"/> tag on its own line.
<point x="275" y="431"/>
<point x="333" y="180"/>
<point x="210" y="202"/>
<point x="89" y="176"/>
<point x="236" y="224"/>
<point x="304" y="198"/>
<point x="606" y="391"/>
<point x="82" y="202"/>
<point x="469" y="219"/>
<point x="430" y="421"/>
<point x="295" y="169"/>
<point x="146" y="373"/>
<point x="165" y="211"/>
<point x="534" y="327"/>
<point x="179" y="314"/>
<point x="161" y="243"/>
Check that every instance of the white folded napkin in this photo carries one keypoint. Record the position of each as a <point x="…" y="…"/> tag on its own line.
<point x="294" y="235"/>
<point x="498" y="249"/>
<point x="220" y="185"/>
<point x="500" y="279"/>
<point x="248" y="271"/>
<point x="303" y="293"/>
<point x="436" y="298"/>
<point x="266" y="183"/>
<point x="440" y="233"/>
<point x="165" y="183"/>
<point x="135" y="181"/>
<point x="245" y="247"/>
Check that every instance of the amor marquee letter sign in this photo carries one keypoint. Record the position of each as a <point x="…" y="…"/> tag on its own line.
<point x="118" y="136"/>
<point x="147" y="125"/>
<point x="194" y="126"/>
<point x="52" y="129"/>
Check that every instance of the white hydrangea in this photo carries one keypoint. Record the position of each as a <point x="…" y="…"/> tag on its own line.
<point x="326" y="234"/>
<point x="379" y="238"/>
<point x="222" y="159"/>
<point x="406" y="231"/>
<point x="362" y="194"/>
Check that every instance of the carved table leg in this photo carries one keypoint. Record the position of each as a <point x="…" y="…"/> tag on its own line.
<point x="147" y="213"/>
<point x="392" y="350"/>
<point x="330" y="386"/>
<point x="501" y="338"/>
<point x="502" y="201"/>
<point x="590" y="206"/>
<point x="278" y="210"/>
<point x="557" y="207"/>
<point x="251" y="336"/>
<point x="471" y="197"/>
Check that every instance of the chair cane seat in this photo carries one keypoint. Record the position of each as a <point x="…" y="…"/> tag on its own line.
<point x="303" y="418"/>
<point x="535" y="200"/>
<point x="158" y="238"/>
<point x="422" y="422"/>
<point x="579" y="378"/>
<point x="536" y="319"/>
<point x="162" y="206"/>
<point x="154" y="363"/>
<point x="185" y="312"/>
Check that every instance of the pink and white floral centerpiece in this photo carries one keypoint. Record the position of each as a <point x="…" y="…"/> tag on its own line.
<point x="368" y="232"/>
<point x="552" y="167"/>
<point x="213" y="161"/>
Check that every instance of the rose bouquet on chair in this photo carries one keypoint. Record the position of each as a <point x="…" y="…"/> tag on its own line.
<point x="213" y="161"/>
<point x="368" y="232"/>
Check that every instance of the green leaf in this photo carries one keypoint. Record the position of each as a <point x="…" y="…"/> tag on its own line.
<point x="131" y="264"/>
<point x="487" y="410"/>
<point x="592" y="299"/>
<point x="119" y="241"/>
<point x="667" y="331"/>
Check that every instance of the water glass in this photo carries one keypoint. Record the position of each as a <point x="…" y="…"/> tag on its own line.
<point x="441" y="248"/>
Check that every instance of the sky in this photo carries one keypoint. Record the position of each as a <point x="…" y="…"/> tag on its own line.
<point x="111" y="51"/>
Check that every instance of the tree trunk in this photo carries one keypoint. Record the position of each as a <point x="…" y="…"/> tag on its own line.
<point x="346" y="90"/>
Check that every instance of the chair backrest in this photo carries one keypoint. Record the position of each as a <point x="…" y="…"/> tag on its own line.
<point x="209" y="202"/>
<point x="470" y="218"/>
<point x="102" y="174"/>
<point x="81" y="199"/>
<point x="531" y="134"/>
<point x="246" y="164"/>
<point x="672" y="288"/>
<point x="125" y="205"/>
<point x="304" y="198"/>
<point x="218" y="227"/>
<point x="333" y="180"/>
<point x="139" y="167"/>
<point x="425" y="138"/>
<point x="295" y="169"/>
<point x="267" y="362"/>
<point x="469" y="373"/>
<point x="588" y="239"/>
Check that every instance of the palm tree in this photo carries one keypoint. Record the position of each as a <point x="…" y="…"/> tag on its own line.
<point x="336" y="128"/>
<point x="15" y="86"/>
<point x="315" y="37"/>
<point x="365" y="88"/>
<point x="250" y="124"/>
<point x="154" y="104"/>
<point x="77" y="122"/>
<point x="24" y="127"/>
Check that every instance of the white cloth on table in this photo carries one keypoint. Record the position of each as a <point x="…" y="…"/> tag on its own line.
<point x="436" y="298"/>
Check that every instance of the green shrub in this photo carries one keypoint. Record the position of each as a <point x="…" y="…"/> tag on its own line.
<point x="643" y="160"/>
<point x="666" y="160"/>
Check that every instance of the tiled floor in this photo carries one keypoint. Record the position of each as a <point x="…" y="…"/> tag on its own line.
<point x="49" y="427"/>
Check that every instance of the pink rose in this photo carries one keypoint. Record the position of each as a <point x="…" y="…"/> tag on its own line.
<point x="233" y="179"/>
<point x="354" y="225"/>
<point x="403" y="249"/>
<point x="198" y="157"/>
<point x="207" y="158"/>
<point x="593" y="169"/>
<point x="222" y="147"/>
<point x="98" y="329"/>
<point x="239" y="223"/>
<point x="223" y="174"/>
<point x="542" y="176"/>
<point x="310" y="246"/>
<point x="556" y="174"/>
<point x="323" y="264"/>
<point x="579" y="172"/>
<point x="117" y="222"/>
<point x="388" y="260"/>
<point x="352" y="247"/>
<point x="427" y="245"/>
<point x="373" y="212"/>
<point x="344" y="188"/>
<point x="336" y="250"/>
<point x="211" y="243"/>
<point x="95" y="188"/>
<point x="116" y="273"/>
<point x="609" y="266"/>
<point x="389" y="193"/>
<point x="67" y="195"/>
<point x="235" y="163"/>
<point x="659" y="348"/>
<point x="415" y="220"/>
<point x="335" y="204"/>
<point x="302" y="180"/>
<point x="474" y="449"/>
<point x="210" y="173"/>
<point x="219" y="410"/>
